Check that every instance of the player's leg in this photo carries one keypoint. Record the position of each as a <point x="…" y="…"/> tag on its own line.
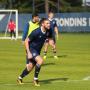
<point x="53" y="44"/>
<point x="39" y="62"/>
<point x="46" y="48"/>
<point x="26" y="71"/>
<point x="14" y="33"/>
<point x="11" y="34"/>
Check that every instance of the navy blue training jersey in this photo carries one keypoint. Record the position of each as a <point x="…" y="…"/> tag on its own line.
<point x="37" y="39"/>
<point x="52" y="27"/>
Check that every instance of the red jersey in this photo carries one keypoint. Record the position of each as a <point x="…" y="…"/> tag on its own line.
<point x="11" y="26"/>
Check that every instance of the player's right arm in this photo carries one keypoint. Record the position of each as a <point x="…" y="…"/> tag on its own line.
<point x="25" y="32"/>
<point x="27" y="48"/>
<point x="29" y="39"/>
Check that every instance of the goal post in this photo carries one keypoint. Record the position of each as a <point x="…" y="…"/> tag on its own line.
<point x="5" y="16"/>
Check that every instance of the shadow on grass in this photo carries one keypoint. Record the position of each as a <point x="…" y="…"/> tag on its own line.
<point x="59" y="56"/>
<point x="46" y="64"/>
<point x="47" y="81"/>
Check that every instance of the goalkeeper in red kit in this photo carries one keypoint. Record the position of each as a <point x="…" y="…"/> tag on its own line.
<point x="11" y="28"/>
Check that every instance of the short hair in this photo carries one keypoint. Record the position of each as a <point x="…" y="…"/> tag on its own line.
<point x="42" y="20"/>
<point x="50" y="12"/>
<point x="34" y="15"/>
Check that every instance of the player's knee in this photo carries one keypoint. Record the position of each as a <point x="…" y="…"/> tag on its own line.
<point x="52" y="44"/>
<point x="39" y="60"/>
<point x="29" y="67"/>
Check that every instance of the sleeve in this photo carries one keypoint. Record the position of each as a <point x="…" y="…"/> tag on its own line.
<point x="32" y="36"/>
<point x="25" y="32"/>
<point x="55" y="25"/>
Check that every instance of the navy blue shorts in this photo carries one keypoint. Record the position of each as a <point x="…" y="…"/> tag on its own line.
<point x="52" y="37"/>
<point x="34" y="55"/>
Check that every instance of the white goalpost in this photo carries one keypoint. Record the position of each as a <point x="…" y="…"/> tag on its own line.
<point x="5" y="16"/>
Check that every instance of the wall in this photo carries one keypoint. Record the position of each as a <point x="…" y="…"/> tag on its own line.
<point x="67" y="22"/>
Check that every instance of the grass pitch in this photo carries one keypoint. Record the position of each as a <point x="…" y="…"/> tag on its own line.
<point x="66" y="73"/>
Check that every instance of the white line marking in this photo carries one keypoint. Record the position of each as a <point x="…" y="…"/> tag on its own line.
<point x="8" y="84"/>
<point x="71" y="81"/>
<point x="14" y="84"/>
<point x="86" y="78"/>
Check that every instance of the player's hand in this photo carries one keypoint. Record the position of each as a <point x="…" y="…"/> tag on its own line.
<point x="29" y="55"/>
<point x="9" y="30"/>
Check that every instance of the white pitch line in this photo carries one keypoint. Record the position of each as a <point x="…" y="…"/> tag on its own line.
<point x="13" y="84"/>
<point x="86" y="78"/>
<point x="8" y="84"/>
<point x="71" y="81"/>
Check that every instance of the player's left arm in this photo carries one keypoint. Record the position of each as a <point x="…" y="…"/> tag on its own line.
<point x="56" y="31"/>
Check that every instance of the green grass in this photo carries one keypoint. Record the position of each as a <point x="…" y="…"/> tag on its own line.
<point x="73" y="64"/>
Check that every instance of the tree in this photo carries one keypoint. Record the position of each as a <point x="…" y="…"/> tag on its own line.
<point x="42" y="6"/>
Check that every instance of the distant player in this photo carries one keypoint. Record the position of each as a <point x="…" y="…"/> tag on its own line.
<point x="30" y="26"/>
<point x="33" y="45"/>
<point x="53" y="33"/>
<point x="11" y="28"/>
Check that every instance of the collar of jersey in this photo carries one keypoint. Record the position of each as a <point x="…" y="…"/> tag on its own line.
<point x="42" y="31"/>
<point x="33" y="22"/>
<point x="50" y="19"/>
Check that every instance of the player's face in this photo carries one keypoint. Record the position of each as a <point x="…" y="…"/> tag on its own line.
<point x="51" y="15"/>
<point x="46" y="24"/>
<point x="36" y="19"/>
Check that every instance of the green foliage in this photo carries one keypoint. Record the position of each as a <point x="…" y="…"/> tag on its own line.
<point x="74" y="2"/>
<point x="27" y="6"/>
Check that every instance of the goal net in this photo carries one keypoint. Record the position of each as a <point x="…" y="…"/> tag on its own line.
<point x="5" y="17"/>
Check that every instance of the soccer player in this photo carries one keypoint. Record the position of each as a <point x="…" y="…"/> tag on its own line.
<point x="11" y="28"/>
<point x="30" y="26"/>
<point x="33" y="45"/>
<point x="51" y="39"/>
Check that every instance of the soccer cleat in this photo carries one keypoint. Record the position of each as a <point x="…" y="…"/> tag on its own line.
<point x="36" y="83"/>
<point x="55" y="57"/>
<point x="20" y="81"/>
<point x="45" y="57"/>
